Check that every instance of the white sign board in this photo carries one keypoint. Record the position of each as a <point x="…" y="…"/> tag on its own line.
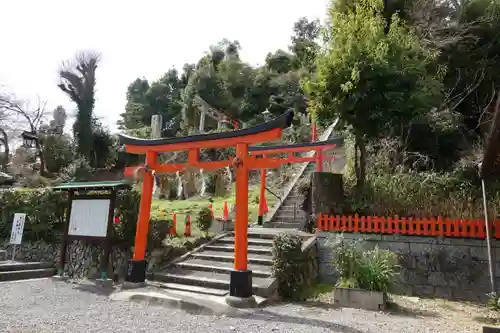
<point x="89" y="218"/>
<point x="16" y="235"/>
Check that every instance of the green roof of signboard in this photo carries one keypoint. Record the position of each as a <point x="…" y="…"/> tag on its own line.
<point x="93" y="185"/>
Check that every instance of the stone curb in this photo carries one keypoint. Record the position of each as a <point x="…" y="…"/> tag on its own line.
<point x="189" y="305"/>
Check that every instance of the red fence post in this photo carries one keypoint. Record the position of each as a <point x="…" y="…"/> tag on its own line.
<point x="404" y="228"/>
<point x="187" y="230"/>
<point x="389" y="225"/>
<point x="343" y="223"/>
<point x="363" y="224"/>
<point x="173" y="229"/>
<point x="349" y="223"/>
<point x="376" y="224"/>
<point x="396" y="224"/>
<point x="456" y="232"/>
<point x="411" y="230"/>
<point x="480" y="231"/>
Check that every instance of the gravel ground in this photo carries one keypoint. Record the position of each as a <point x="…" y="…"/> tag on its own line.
<point x="54" y="306"/>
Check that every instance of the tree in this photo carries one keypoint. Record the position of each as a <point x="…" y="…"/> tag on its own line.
<point x="4" y="140"/>
<point x="28" y="117"/>
<point x="375" y="81"/>
<point x="58" y="151"/>
<point x="137" y="108"/>
<point x="163" y="97"/>
<point x="104" y="146"/>
<point x="279" y="62"/>
<point x="78" y="80"/>
<point x="304" y="42"/>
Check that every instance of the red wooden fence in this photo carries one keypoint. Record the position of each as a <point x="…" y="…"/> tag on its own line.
<point x="443" y="227"/>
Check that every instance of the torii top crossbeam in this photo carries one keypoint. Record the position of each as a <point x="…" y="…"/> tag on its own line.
<point x="247" y="158"/>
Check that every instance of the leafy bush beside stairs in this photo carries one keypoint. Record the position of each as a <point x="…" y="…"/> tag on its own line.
<point x="294" y="270"/>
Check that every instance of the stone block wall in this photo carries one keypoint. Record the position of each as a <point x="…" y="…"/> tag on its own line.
<point x="83" y="258"/>
<point x="449" y="268"/>
<point x="327" y="193"/>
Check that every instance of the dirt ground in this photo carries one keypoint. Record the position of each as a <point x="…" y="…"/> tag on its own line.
<point x="449" y="314"/>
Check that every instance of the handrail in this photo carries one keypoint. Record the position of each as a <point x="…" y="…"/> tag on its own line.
<point x="294" y="181"/>
<point x="277" y="197"/>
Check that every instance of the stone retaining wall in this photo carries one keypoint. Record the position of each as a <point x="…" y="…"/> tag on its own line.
<point x="434" y="267"/>
<point x="83" y="258"/>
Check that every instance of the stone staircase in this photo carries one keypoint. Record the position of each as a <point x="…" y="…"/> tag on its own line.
<point x="288" y="213"/>
<point x="15" y="270"/>
<point x="207" y="271"/>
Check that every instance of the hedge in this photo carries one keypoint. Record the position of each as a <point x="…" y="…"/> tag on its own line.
<point x="45" y="210"/>
<point x="291" y="267"/>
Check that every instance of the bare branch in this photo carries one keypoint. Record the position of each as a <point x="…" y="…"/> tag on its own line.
<point x="78" y="75"/>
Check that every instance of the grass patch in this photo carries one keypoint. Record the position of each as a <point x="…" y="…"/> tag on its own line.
<point x="191" y="206"/>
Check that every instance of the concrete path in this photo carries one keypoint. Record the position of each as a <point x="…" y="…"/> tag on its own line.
<point x="55" y="306"/>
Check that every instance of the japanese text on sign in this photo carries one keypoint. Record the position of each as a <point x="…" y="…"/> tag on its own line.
<point x="16" y="235"/>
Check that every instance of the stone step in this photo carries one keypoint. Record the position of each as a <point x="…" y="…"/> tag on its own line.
<point x="191" y="289"/>
<point x="290" y="220"/>
<point x="289" y="208"/>
<point x="230" y="248"/>
<point x="256" y="233"/>
<point x="251" y="241"/>
<point x="12" y="266"/>
<point x="222" y="267"/>
<point x="263" y="287"/>
<point x="291" y="215"/>
<point x="229" y="257"/>
<point x="26" y="274"/>
<point x="286" y="225"/>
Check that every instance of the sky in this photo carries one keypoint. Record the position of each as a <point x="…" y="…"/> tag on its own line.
<point x="135" y="39"/>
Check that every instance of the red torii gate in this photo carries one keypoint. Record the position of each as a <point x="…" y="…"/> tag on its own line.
<point x="246" y="158"/>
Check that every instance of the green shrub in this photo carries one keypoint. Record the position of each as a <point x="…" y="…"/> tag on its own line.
<point x="303" y="186"/>
<point x="159" y="228"/>
<point x="374" y="270"/>
<point x="46" y="210"/>
<point x="494" y="301"/>
<point x="127" y="206"/>
<point x="204" y="220"/>
<point x="290" y="266"/>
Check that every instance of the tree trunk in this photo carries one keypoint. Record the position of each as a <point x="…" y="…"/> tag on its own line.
<point x="164" y="186"/>
<point x="221" y="183"/>
<point x="39" y="152"/>
<point x="189" y="185"/>
<point x="82" y="130"/>
<point x="360" y="162"/>
<point x="4" y="140"/>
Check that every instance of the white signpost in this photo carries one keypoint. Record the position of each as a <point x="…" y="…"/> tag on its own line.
<point x="16" y="236"/>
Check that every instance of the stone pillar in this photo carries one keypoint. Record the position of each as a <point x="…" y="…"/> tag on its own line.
<point x="202" y="121"/>
<point x="156" y="125"/>
<point x="327" y="193"/>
